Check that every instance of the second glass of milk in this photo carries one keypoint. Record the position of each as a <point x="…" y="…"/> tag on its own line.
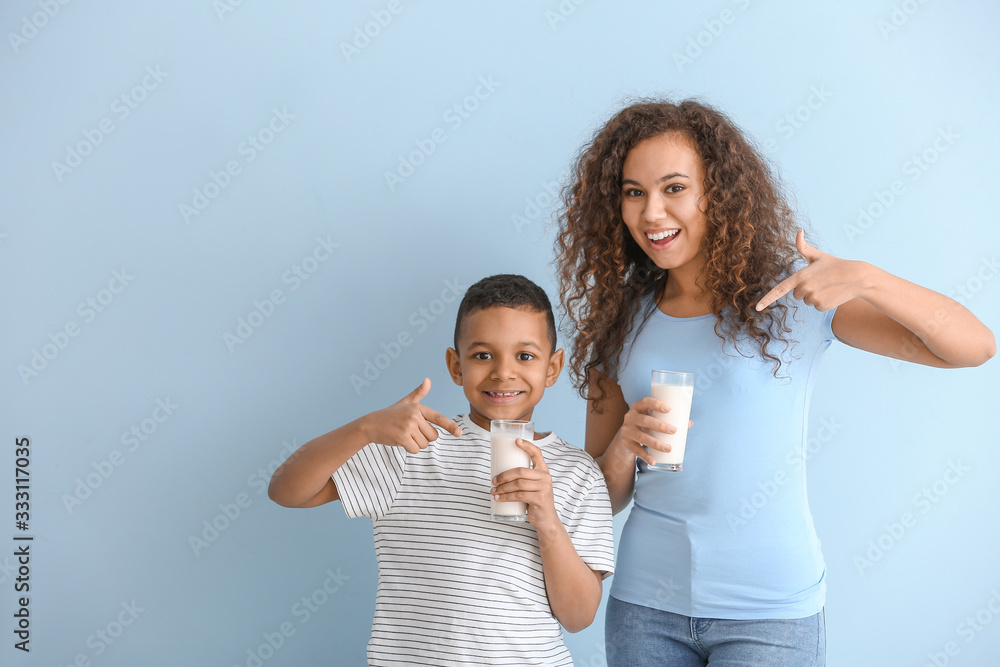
<point x="676" y="390"/>
<point x="504" y="455"/>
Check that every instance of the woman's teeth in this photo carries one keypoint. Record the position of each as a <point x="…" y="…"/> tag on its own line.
<point x="503" y="394"/>
<point x="662" y="235"/>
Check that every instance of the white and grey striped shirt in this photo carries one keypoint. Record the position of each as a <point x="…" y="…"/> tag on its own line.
<point x="456" y="588"/>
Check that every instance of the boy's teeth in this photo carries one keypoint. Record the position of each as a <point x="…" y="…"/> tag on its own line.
<point x="503" y="394"/>
<point x="662" y="235"/>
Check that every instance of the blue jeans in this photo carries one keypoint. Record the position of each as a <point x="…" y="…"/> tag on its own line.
<point x="637" y="636"/>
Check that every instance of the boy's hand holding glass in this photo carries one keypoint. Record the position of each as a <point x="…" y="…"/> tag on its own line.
<point x="407" y="423"/>
<point x="532" y="486"/>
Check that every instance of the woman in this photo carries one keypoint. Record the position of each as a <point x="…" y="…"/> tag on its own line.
<point x="675" y="245"/>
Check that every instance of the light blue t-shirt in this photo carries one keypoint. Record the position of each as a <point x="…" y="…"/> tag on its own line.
<point x="732" y="535"/>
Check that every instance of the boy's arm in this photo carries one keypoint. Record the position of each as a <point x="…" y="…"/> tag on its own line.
<point x="573" y="589"/>
<point x="304" y="480"/>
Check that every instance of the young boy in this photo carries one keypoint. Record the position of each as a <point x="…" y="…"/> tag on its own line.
<point x="454" y="586"/>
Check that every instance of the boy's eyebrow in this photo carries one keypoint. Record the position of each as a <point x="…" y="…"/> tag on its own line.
<point x="665" y="177"/>
<point x="523" y="343"/>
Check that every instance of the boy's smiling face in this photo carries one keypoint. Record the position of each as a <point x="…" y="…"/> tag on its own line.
<point x="504" y="362"/>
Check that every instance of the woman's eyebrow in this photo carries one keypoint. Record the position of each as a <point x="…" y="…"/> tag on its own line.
<point x="665" y="177"/>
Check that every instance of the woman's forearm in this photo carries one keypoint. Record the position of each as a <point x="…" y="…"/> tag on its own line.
<point x="944" y="326"/>
<point x="618" y="466"/>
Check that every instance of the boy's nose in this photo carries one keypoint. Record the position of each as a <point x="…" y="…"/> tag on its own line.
<point x="503" y="370"/>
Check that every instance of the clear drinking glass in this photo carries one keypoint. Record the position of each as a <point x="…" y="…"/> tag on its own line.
<point x="676" y="390"/>
<point x="504" y="455"/>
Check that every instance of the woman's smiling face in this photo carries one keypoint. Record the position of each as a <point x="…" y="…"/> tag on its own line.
<point x="662" y="193"/>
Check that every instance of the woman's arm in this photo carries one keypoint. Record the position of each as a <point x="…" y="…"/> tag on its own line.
<point x="896" y="318"/>
<point x="615" y="437"/>
<point x="884" y="314"/>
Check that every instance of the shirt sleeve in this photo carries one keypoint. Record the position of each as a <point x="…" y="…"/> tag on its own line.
<point x="827" y="327"/>
<point x="588" y="520"/>
<point x="369" y="481"/>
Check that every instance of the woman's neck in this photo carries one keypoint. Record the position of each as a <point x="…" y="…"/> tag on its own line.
<point x="683" y="296"/>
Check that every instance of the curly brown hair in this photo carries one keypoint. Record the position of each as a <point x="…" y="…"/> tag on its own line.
<point x="604" y="274"/>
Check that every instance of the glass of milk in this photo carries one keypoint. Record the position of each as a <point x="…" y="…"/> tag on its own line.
<point x="676" y="390"/>
<point x="504" y="455"/>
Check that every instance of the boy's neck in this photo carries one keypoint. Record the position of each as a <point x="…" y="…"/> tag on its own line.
<point x="484" y="424"/>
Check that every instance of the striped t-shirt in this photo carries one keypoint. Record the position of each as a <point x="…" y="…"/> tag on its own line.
<point x="455" y="587"/>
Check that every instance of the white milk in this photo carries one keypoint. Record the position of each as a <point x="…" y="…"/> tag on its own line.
<point x="679" y="400"/>
<point x="504" y="456"/>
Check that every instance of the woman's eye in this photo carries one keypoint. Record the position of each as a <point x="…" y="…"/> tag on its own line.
<point x="675" y="188"/>
<point x="632" y="192"/>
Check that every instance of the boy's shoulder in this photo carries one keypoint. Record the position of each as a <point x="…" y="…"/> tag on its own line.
<point x="568" y="457"/>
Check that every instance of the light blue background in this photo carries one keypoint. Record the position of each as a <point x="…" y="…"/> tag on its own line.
<point x="477" y="205"/>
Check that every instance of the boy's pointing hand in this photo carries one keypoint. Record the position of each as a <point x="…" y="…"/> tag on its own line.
<point x="407" y="423"/>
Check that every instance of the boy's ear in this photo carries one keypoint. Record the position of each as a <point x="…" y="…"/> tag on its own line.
<point x="454" y="365"/>
<point x="556" y="362"/>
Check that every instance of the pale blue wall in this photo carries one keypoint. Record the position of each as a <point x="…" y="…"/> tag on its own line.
<point x="882" y="93"/>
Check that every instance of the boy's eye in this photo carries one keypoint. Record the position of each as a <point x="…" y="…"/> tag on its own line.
<point x="483" y="356"/>
<point x="525" y="356"/>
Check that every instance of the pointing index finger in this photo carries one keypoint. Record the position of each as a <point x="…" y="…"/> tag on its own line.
<point x="435" y="417"/>
<point x="778" y="291"/>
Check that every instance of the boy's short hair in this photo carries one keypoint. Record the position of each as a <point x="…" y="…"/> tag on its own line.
<point x="506" y="290"/>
